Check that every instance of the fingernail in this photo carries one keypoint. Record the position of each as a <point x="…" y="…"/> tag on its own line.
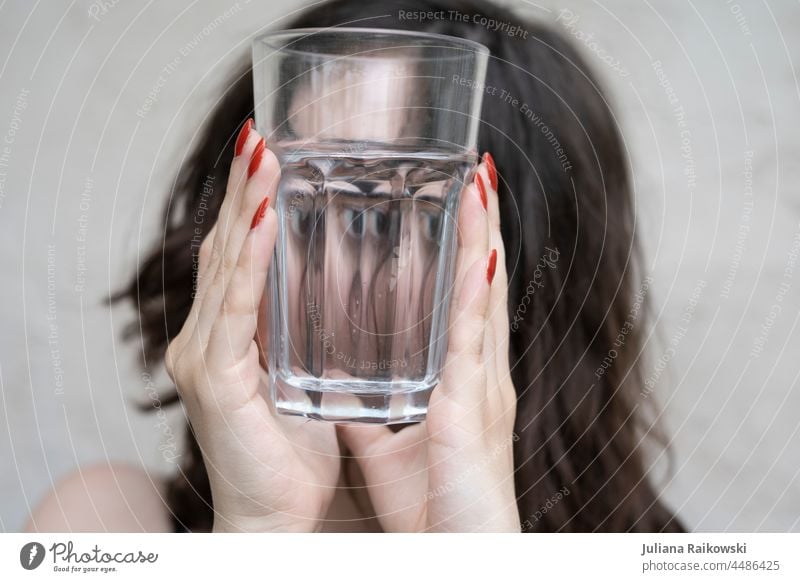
<point x="243" y="135"/>
<point x="261" y="212"/>
<point x="492" y="267"/>
<point x="255" y="159"/>
<point x="482" y="191"/>
<point x="489" y="161"/>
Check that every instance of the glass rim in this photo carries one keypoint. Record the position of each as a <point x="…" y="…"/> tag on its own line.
<point x="298" y="33"/>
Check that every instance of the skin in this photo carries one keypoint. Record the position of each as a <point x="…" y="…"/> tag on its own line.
<point x="454" y="472"/>
<point x="269" y="472"/>
<point x="101" y="498"/>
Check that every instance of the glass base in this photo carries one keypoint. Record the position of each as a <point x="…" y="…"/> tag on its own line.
<point x="345" y="406"/>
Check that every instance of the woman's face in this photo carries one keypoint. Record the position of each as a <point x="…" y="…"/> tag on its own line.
<point x="366" y="99"/>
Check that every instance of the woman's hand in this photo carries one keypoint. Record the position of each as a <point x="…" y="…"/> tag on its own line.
<point x="455" y="471"/>
<point x="267" y="472"/>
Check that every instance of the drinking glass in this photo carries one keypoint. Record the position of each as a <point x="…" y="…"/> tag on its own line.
<point x="375" y="130"/>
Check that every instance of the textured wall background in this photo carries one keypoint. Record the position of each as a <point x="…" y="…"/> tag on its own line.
<point x="97" y="101"/>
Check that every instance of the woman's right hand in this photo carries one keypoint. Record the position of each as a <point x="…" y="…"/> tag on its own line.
<point x="267" y="472"/>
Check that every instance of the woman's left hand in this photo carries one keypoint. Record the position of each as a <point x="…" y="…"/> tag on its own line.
<point x="455" y="471"/>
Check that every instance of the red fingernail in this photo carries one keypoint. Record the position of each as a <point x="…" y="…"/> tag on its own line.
<point x="261" y="212"/>
<point x="255" y="159"/>
<point x="489" y="160"/>
<point x="482" y="191"/>
<point x="244" y="133"/>
<point x="492" y="266"/>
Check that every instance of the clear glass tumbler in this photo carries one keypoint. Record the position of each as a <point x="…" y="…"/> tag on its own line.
<point x="376" y="133"/>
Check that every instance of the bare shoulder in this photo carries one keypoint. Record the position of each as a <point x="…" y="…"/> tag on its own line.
<point x="99" y="498"/>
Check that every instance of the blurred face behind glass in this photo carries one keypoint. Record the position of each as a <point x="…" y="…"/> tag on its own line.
<point x="366" y="99"/>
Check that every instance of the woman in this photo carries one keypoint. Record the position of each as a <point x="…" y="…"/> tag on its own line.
<point x="536" y="425"/>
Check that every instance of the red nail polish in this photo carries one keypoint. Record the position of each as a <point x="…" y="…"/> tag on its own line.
<point x="482" y="191"/>
<point x="255" y="159"/>
<point x="261" y="212"/>
<point x="492" y="266"/>
<point x="244" y="133"/>
<point x="489" y="161"/>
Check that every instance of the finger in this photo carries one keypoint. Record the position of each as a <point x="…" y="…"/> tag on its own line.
<point x="231" y="335"/>
<point x="264" y="176"/>
<point x="501" y="395"/>
<point x="493" y="397"/>
<point x="207" y="256"/>
<point x="498" y="303"/>
<point x="201" y="276"/>
<point x="179" y="342"/>
<point x="500" y="330"/>
<point x="365" y="440"/>
<point x="211" y="249"/>
<point x="245" y="145"/>
<point x="473" y="231"/>
<point x="464" y="375"/>
<point x="385" y="456"/>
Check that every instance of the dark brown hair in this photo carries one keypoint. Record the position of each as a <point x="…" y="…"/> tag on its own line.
<point x="576" y="288"/>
